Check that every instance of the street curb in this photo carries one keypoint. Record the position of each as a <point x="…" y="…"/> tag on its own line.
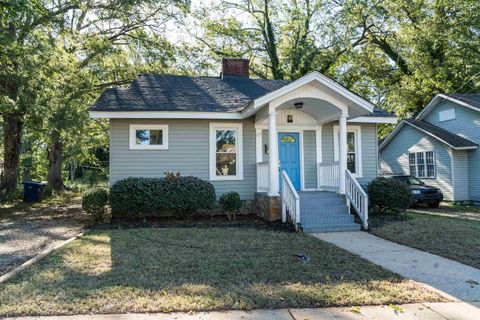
<point x="5" y="277"/>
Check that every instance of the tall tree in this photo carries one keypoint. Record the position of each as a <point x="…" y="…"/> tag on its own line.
<point x="95" y="30"/>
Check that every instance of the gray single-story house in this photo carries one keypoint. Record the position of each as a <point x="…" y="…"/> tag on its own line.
<point x="439" y="146"/>
<point x="280" y="144"/>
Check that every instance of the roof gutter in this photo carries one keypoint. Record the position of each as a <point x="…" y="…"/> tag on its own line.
<point x="164" y="115"/>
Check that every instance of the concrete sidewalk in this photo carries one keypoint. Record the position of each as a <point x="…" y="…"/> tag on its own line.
<point x="417" y="311"/>
<point x="460" y="281"/>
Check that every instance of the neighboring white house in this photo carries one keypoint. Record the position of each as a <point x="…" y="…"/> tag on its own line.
<point x="269" y="140"/>
<point x="440" y="146"/>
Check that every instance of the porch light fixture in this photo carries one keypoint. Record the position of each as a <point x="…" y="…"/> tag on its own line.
<point x="298" y="105"/>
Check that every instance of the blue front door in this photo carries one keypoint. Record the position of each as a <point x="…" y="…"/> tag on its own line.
<point x="289" y="157"/>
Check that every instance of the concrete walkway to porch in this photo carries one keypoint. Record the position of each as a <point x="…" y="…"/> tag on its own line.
<point x="459" y="281"/>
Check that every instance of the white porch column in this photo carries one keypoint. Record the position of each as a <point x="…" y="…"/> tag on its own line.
<point x="342" y="150"/>
<point x="273" y="155"/>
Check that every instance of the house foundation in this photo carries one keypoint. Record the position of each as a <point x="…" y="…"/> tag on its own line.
<point x="268" y="207"/>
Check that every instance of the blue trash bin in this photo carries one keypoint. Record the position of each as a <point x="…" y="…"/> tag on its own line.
<point x="33" y="191"/>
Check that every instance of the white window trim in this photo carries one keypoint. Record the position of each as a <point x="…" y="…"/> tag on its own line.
<point x="357" y="130"/>
<point x="132" y="136"/>
<point x="212" y="138"/>
<point x="413" y="151"/>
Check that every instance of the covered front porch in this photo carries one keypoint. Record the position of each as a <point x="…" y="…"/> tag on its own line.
<point x="305" y="143"/>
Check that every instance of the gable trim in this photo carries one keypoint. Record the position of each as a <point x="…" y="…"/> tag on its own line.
<point x="402" y="124"/>
<point x="313" y="76"/>
<point x="438" y="99"/>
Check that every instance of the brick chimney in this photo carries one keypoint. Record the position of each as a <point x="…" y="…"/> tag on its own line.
<point x="235" y="67"/>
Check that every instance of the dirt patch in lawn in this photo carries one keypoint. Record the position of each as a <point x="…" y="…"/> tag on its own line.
<point x="27" y="229"/>
<point x="452" y="238"/>
<point x="214" y="268"/>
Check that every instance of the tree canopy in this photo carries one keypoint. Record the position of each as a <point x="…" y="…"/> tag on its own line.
<point x="56" y="57"/>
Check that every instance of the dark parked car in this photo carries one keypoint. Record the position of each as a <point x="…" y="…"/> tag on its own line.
<point x="422" y="193"/>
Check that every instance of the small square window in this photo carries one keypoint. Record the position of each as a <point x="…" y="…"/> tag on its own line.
<point x="148" y="137"/>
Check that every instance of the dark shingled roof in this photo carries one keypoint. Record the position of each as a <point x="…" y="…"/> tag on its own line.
<point x="152" y="92"/>
<point x="450" y="138"/>
<point x="470" y="98"/>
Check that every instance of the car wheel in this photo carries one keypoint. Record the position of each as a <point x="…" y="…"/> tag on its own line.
<point x="434" y="205"/>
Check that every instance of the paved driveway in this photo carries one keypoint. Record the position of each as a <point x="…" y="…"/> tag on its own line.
<point x="460" y="281"/>
<point x="27" y="230"/>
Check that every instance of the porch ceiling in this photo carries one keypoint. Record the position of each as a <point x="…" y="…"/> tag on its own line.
<point x="321" y="110"/>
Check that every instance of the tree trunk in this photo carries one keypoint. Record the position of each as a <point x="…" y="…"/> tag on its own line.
<point x="54" y="175"/>
<point x="12" y="134"/>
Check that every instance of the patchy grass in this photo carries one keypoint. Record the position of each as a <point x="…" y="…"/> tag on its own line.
<point x="452" y="210"/>
<point x="453" y="238"/>
<point x="203" y="268"/>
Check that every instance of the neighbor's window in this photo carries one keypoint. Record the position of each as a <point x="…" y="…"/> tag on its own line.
<point x="225" y="156"/>
<point x="148" y="137"/>
<point x="445" y="115"/>
<point x="422" y="164"/>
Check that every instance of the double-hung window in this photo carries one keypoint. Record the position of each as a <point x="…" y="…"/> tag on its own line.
<point x="351" y="152"/>
<point x="422" y="164"/>
<point x="226" y="158"/>
<point x="354" y="148"/>
<point x="148" y="137"/>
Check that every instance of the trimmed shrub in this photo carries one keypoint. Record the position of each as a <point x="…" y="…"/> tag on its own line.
<point x="137" y="197"/>
<point x="388" y="196"/>
<point x="231" y="204"/>
<point x="94" y="202"/>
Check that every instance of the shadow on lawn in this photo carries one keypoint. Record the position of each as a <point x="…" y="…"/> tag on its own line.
<point x="209" y="267"/>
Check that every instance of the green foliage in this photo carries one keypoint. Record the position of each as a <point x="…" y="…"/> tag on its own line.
<point x="137" y="197"/>
<point x="94" y="202"/>
<point x="397" y="53"/>
<point x="93" y="177"/>
<point x="56" y="58"/>
<point x="388" y="196"/>
<point x="231" y="203"/>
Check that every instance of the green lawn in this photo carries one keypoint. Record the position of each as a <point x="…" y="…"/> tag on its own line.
<point x="454" y="238"/>
<point x="201" y="268"/>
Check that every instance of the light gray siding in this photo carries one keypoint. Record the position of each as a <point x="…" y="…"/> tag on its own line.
<point x="467" y="125"/>
<point x="369" y="148"/>
<point x="369" y="152"/>
<point x="460" y="175"/>
<point x="310" y="158"/>
<point x="188" y="153"/>
<point x="394" y="157"/>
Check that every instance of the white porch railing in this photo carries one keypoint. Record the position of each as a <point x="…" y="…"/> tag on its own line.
<point x="262" y="176"/>
<point x="357" y="197"/>
<point x="290" y="201"/>
<point x="329" y="176"/>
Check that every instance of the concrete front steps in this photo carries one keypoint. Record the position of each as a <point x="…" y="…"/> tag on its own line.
<point x="323" y="211"/>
